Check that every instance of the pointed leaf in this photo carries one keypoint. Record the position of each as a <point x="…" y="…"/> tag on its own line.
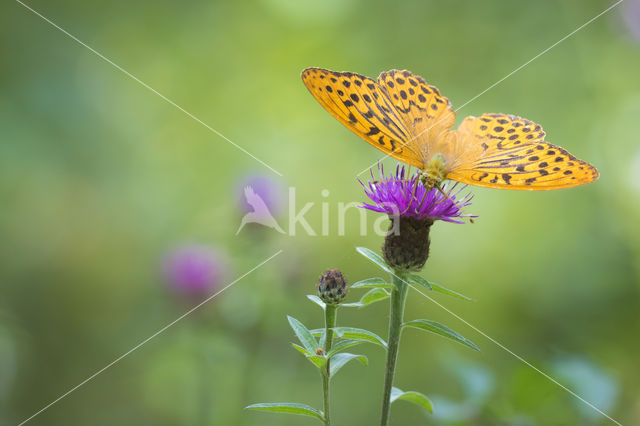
<point x="351" y="339"/>
<point x="417" y="279"/>
<point x="343" y="344"/>
<point x="318" y="360"/>
<point x="302" y="350"/>
<point x="359" y="333"/>
<point x="339" y="360"/>
<point x="322" y="340"/>
<point x="444" y="290"/>
<point x="372" y="283"/>
<point x="411" y="396"/>
<point x="315" y="299"/>
<point x="442" y="330"/>
<point x="374" y="257"/>
<point x="372" y="296"/>
<point x="289" y="408"/>
<point x="304" y="335"/>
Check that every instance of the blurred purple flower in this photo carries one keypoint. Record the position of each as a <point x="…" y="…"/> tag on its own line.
<point x="406" y="196"/>
<point x="631" y="17"/>
<point x="194" y="270"/>
<point x="270" y="190"/>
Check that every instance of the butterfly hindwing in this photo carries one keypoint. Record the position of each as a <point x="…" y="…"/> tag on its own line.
<point x="410" y="120"/>
<point x="504" y="151"/>
<point x="360" y="104"/>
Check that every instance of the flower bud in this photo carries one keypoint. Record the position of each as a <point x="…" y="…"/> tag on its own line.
<point x="406" y="246"/>
<point x="332" y="287"/>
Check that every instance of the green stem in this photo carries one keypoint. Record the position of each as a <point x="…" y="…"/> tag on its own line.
<point x="330" y="314"/>
<point x="204" y="381"/>
<point x="398" y="298"/>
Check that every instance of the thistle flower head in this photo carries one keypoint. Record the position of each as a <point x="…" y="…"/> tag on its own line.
<point x="631" y="16"/>
<point x="269" y="190"/>
<point x="412" y="209"/>
<point x="194" y="271"/>
<point x="332" y="287"/>
<point x="402" y="195"/>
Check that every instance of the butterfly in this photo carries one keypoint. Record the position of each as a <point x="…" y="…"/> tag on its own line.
<point x="410" y="120"/>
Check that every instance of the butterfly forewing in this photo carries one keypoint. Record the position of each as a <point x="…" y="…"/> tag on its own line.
<point x="427" y="114"/>
<point x="360" y="104"/>
<point x="410" y="120"/>
<point x="504" y="151"/>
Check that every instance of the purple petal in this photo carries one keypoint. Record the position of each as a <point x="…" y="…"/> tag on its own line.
<point x="403" y="194"/>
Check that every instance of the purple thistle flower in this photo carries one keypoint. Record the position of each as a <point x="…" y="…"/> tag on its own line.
<point x="404" y="196"/>
<point x="268" y="189"/>
<point x="194" y="270"/>
<point x="631" y="16"/>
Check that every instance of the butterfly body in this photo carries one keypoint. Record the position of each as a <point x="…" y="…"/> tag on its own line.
<point x="410" y="120"/>
<point x="434" y="172"/>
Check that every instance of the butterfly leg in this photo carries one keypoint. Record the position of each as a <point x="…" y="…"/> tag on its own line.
<point x="445" y="196"/>
<point x="413" y="195"/>
<point x="423" y="197"/>
<point x="429" y="181"/>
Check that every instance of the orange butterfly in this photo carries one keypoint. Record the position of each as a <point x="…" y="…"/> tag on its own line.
<point x="408" y="119"/>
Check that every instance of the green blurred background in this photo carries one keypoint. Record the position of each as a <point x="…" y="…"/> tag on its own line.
<point x="101" y="178"/>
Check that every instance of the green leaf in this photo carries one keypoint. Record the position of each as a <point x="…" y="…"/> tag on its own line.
<point x="302" y="350"/>
<point x="411" y="396"/>
<point x="304" y="335"/>
<point x="372" y="283"/>
<point x="446" y="291"/>
<point x="315" y="299"/>
<point x="289" y="408"/>
<point x="373" y="295"/>
<point x="437" y="328"/>
<point x="343" y="344"/>
<point x="374" y="257"/>
<point x="417" y="279"/>
<point x="339" y="360"/>
<point x="322" y="340"/>
<point x="317" y="360"/>
<point x="359" y="333"/>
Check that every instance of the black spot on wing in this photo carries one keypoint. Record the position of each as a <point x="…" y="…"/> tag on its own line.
<point x="373" y="131"/>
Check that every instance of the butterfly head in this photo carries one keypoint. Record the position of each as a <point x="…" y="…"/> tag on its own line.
<point x="434" y="172"/>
